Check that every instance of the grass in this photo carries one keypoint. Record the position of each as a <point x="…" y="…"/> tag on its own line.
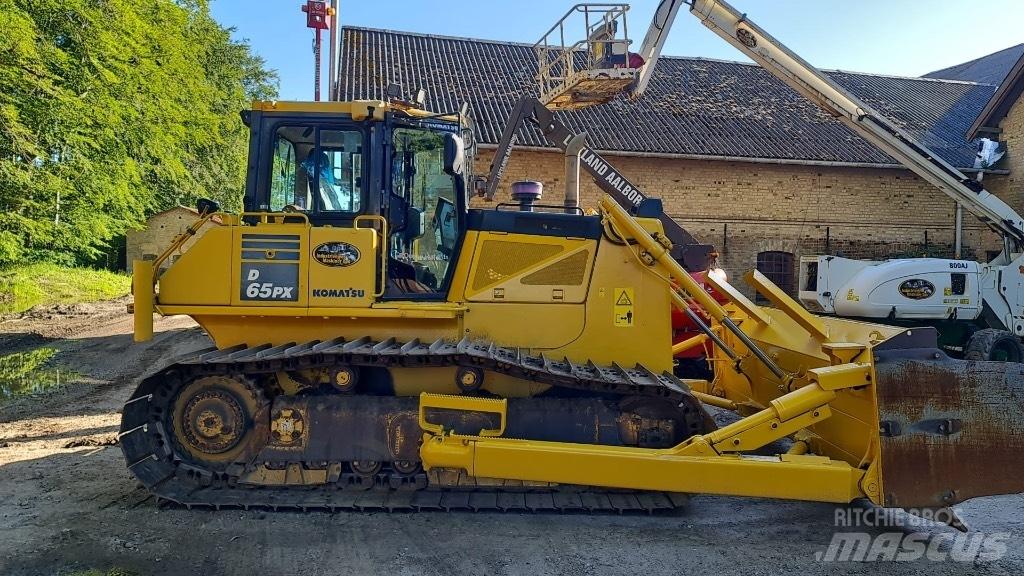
<point x="23" y="287"/>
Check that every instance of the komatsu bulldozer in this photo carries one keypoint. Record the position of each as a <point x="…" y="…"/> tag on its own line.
<point x="379" y="344"/>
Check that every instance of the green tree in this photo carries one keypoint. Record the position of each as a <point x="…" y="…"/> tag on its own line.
<point x="111" y="110"/>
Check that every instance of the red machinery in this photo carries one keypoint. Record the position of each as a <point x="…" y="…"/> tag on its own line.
<point x="690" y="346"/>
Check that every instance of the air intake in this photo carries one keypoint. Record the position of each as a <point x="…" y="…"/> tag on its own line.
<point x="526" y="193"/>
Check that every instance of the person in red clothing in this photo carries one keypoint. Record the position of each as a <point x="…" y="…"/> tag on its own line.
<point x="611" y="60"/>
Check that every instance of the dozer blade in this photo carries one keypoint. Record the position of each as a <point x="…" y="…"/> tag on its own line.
<point x="950" y="430"/>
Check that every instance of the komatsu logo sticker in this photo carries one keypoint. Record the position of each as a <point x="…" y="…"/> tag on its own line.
<point x="339" y="293"/>
<point x="270" y="282"/>
<point x="339" y="254"/>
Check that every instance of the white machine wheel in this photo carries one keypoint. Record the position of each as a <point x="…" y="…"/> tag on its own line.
<point x="994" y="344"/>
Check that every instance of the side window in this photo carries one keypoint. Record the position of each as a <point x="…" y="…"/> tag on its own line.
<point x="778" y="267"/>
<point x="282" y="176"/>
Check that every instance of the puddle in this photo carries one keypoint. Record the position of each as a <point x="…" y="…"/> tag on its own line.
<point x="26" y="373"/>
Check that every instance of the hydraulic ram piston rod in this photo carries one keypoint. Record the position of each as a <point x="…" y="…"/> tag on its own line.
<point x="660" y="254"/>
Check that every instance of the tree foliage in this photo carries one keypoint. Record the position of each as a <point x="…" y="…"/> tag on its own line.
<point x="111" y="110"/>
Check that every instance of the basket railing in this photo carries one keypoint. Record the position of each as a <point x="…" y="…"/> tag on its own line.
<point x="562" y="55"/>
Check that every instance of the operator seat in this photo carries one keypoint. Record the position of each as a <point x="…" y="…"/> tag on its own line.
<point x="402" y="280"/>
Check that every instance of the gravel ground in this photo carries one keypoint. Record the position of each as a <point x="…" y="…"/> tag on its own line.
<point x="67" y="503"/>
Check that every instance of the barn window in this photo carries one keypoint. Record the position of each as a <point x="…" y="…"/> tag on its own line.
<point x="149" y="257"/>
<point x="778" y="267"/>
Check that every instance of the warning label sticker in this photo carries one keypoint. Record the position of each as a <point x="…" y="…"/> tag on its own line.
<point x="623" y="307"/>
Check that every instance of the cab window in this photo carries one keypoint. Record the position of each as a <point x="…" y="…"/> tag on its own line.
<point x="282" y="177"/>
<point x="317" y="170"/>
<point x="423" y="245"/>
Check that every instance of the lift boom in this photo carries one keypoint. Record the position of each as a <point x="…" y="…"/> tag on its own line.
<point x="733" y="26"/>
<point x="758" y="45"/>
<point x="654" y="41"/>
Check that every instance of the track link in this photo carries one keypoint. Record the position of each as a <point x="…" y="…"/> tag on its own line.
<point x="154" y="458"/>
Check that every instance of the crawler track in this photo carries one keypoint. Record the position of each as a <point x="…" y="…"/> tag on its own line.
<point x="156" y="457"/>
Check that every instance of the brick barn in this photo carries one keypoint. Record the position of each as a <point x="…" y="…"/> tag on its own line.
<point x="740" y="160"/>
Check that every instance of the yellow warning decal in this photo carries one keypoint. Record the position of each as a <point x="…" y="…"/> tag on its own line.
<point x="623" y="308"/>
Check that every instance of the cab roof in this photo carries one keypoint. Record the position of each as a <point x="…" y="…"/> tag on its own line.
<point x="356" y="109"/>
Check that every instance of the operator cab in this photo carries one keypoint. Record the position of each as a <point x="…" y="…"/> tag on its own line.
<point x="361" y="164"/>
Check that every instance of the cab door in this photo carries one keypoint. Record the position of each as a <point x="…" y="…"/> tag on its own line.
<point x="425" y="211"/>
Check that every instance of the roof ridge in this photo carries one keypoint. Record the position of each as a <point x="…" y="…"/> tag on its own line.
<point x="436" y="36"/>
<point x="974" y="60"/>
<point x="901" y="77"/>
<point x="664" y="56"/>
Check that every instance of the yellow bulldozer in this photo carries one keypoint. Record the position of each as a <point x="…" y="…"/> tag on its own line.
<point x="379" y="344"/>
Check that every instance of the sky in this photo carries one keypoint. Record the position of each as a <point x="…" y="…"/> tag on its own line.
<point x="897" y="37"/>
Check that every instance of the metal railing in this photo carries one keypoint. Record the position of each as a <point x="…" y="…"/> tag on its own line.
<point x="563" y="60"/>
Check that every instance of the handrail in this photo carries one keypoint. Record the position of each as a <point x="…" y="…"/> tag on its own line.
<point x="561" y="208"/>
<point x="191" y="231"/>
<point x="264" y="220"/>
<point x="179" y="241"/>
<point x="581" y="7"/>
<point x="383" y="233"/>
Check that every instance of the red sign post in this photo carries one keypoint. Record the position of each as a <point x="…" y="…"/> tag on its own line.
<point x="318" y="15"/>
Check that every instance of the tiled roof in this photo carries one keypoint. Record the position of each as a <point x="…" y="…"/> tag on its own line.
<point x="1010" y="90"/>
<point x="692" y="107"/>
<point x="991" y="69"/>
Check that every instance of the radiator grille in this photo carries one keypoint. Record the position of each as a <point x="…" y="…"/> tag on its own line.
<point x="501" y="259"/>
<point x="566" y="272"/>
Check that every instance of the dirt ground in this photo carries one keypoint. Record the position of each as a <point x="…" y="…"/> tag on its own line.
<point x="68" y="504"/>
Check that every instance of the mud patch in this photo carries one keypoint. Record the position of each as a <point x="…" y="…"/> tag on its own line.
<point x="110" y="440"/>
